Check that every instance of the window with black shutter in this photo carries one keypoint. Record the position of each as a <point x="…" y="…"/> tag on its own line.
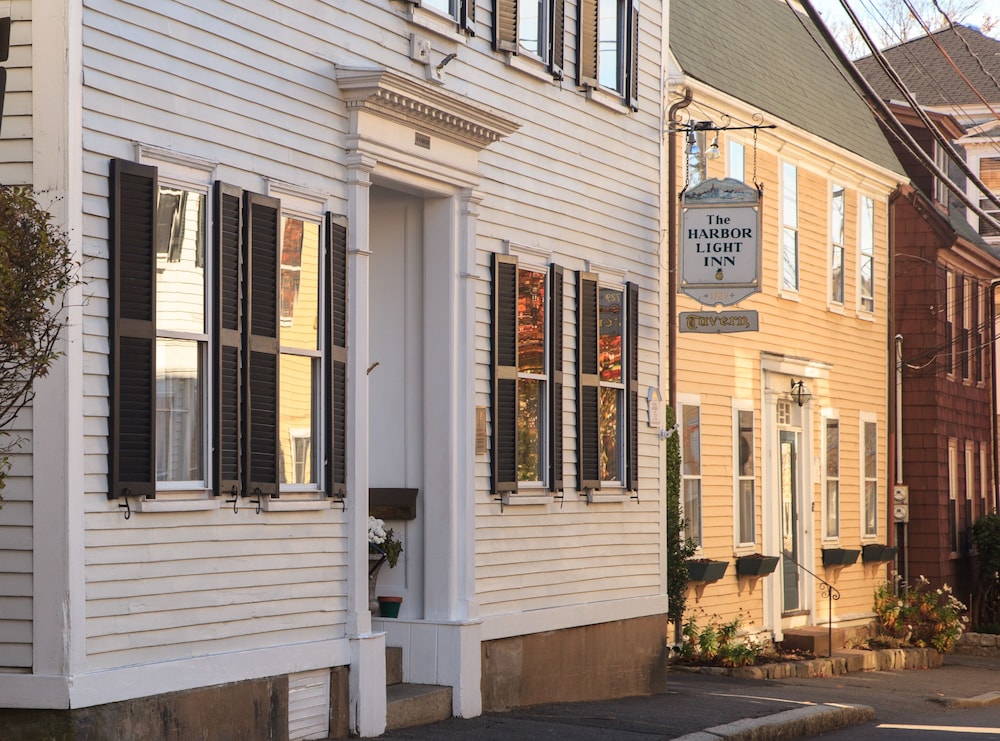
<point x="538" y="33"/>
<point x="608" y="47"/>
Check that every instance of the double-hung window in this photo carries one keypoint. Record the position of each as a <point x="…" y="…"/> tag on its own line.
<point x="866" y="256"/>
<point x="608" y="47"/>
<point x="527" y="376"/>
<point x="950" y="321"/>
<point x="790" y="227"/>
<point x="837" y="245"/>
<point x="989" y="174"/>
<point x="533" y="27"/>
<point x="869" y="469"/>
<point x="746" y="500"/>
<point x="690" y="422"/>
<point x="219" y="341"/>
<point x="831" y="478"/>
<point x="735" y="160"/>
<point x="463" y="11"/>
<point x="607" y="383"/>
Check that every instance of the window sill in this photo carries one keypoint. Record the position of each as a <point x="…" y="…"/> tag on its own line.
<point x="530" y="65"/>
<point x="788" y="294"/>
<point x="865" y="316"/>
<point x="434" y="22"/>
<point x="600" y="497"/>
<point x="511" y="500"/>
<point x="268" y="504"/>
<point x="162" y="504"/>
<point x="610" y="100"/>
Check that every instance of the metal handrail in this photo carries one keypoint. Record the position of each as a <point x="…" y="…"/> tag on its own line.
<point x="831" y="593"/>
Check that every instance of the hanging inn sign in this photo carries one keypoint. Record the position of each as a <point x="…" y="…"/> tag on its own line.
<point x="720" y="242"/>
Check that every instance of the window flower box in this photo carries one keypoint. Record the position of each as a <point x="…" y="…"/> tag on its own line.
<point x="878" y="553"/>
<point x="756" y="565"/>
<point x="840" y="556"/>
<point x="706" y="570"/>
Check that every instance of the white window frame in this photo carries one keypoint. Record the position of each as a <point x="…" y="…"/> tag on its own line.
<point x="692" y="481"/>
<point x="953" y="495"/>
<point x="788" y="244"/>
<point x="621" y="386"/>
<point x="970" y="491"/>
<point x="966" y="352"/>
<point x="544" y="379"/>
<point x="831" y="416"/>
<point x="613" y="49"/>
<point x="743" y="407"/>
<point x="868" y="479"/>
<point x="838" y="247"/>
<point x="941" y="160"/>
<point x="736" y="160"/>
<point x="984" y="481"/>
<point x="951" y="324"/>
<point x="866" y="254"/>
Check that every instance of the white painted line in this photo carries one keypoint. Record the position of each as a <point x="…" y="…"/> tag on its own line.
<point x="768" y="699"/>
<point x="946" y="729"/>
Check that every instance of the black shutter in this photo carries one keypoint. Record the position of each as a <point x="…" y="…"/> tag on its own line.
<point x="468" y="16"/>
<point x="132" y="450"/>
<point x="558" y="43"/>
<point x="556" y="385"/>
<point x="632" y="56"/>
<point x="632" y="384"/>
<point x="228" y="280"/>
<point x="588" y="383"/>
<point x="505" y="25"/>
<point x="260" y="377"/>
<point x="504" y="458"/>
<point x="336" y="385"/>
<point x="586" y="63"/>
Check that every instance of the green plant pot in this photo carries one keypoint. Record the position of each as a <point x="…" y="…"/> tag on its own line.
<point x="388" y="607"/>
<point x="706" y="570"/>
<point x="878" y="553"/>
<point x="756" y="565"/>
<point x="840" y="556"/>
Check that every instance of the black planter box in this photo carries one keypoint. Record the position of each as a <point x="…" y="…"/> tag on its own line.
<point x="840" y="556"/>
<point x="706" y="570"/>
<point x="878" y="553"/>
<point x="756" y="565"/>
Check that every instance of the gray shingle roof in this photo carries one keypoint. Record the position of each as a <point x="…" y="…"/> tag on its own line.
<point x="759" y="52"/>
<point x="930" y="76"/>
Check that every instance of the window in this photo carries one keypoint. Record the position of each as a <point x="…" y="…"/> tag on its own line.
<point x="691" y="470"/>
<point x="965" y="351"/>
<point x="736" y="160"/>
<point x="870" y="468"/>
<point x="745" y="476"/>
<point x="866" y="258"/>
<point x="950" y="320"/>
<point x="535" y="27"/>
<point x="953" y="495"/>
<point x="984" y="480"/>
<point x="790" y="227"/>
<point x="989" y="174"/>
<point x="831" y="486"/>
<point x="607" y="383"/>
<point x="222" y="341"/>
<point x="837" y="245"/>
<point x="527" y="376"/>
<point x="463" y="11"/>
<point x="696" y="160"/>
<point x="608" y="52"/>
<point x="940" y="190"/>
<point x="978" y="339"/>
<point x="970" y="495"/>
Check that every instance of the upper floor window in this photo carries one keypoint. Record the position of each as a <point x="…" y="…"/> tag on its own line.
<point x="790" y="227"/>
<point x="950" y="321"/>
<point x="866" y="256"/>
<point x="534" y="27"/>
<point x="608" y="47"/>
<point x="966" y="350"/>
<point x="941" y="160"/>
<point x="735" y="160"/>
<point x="690" y="422"/>
<point x="989" y="174"/>
<point x="837" y="245"/>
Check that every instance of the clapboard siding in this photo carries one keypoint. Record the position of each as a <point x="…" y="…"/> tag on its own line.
<point x="16" y="128"/>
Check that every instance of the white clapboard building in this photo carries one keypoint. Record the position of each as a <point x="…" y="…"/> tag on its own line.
<point x="339" y="256"/>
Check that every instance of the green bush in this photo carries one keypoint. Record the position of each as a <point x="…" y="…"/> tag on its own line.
<point x="986" y="602"/>
<point x="918" y="615"/>
<point x="719" y="643"/>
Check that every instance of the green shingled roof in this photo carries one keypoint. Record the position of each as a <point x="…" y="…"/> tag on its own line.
<point x="759" y="52"/>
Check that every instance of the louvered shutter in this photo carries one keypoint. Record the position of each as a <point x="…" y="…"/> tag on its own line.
<point x="632" y="58"/>
<point x="228" y="281"/>
<point x="556" y="385"/>
<point x="260" y="377"/>
<point x="505" y="25"/>
<point x="588" y="383"/>
<point x="632" y="384"/>
<point x="336" y="386"/>
<point x="504" y="458"/>
<point x="586" y="63"/>
<point x="132" y="464"/>
<point x="558" y="44"/>
<point x="468" y="16"/>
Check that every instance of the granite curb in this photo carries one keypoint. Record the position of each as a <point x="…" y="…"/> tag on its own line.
<point x="789" y="724"/>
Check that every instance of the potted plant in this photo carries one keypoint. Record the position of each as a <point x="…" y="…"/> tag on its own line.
<point x="756" y="564"/>
<point x="840" y="556"/>
<point x="706" y="570"/>
<point x="383" y="547"/>
<point x="878" y="553"/>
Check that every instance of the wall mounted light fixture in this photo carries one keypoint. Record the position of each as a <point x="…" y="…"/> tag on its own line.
<point x="800" y="394"/>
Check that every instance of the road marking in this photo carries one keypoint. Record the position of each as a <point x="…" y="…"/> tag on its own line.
<point x="947" y="729"/>
<point x="768" y="699"/>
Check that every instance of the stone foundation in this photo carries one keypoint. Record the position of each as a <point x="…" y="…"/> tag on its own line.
<point x="594" y="662"/>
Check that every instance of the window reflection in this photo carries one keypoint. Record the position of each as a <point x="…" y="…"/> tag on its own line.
<point x="609" y="360"/>
<point x="179" y="447"/>
<point x="532" y="379"/>
<point x="180" y="261"/>
<point x="297" y="419"/>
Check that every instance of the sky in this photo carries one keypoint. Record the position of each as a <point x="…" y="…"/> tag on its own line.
<point x="832" y="11"/>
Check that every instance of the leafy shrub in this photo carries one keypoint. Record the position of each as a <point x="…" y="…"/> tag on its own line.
<point x="918" y="615"/>
<point x="986" y="602"/>
<point x="719" y="643"/>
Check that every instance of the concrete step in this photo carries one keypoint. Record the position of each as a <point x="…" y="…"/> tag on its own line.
<point x="393" y="665"/>
<point x="817" y="638"/>
<point x="409" y="705"/>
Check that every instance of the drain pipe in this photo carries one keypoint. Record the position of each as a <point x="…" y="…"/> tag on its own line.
<point x="902" y="527"/>
<point x="993" y="389"/>
<point x="672" y="246"/>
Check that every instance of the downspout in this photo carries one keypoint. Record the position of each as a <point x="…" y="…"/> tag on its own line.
<point x="993" y="388"/>
<point x="672" y="246"/>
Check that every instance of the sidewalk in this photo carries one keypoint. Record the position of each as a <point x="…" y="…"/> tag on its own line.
<point x="704" y="707"/>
